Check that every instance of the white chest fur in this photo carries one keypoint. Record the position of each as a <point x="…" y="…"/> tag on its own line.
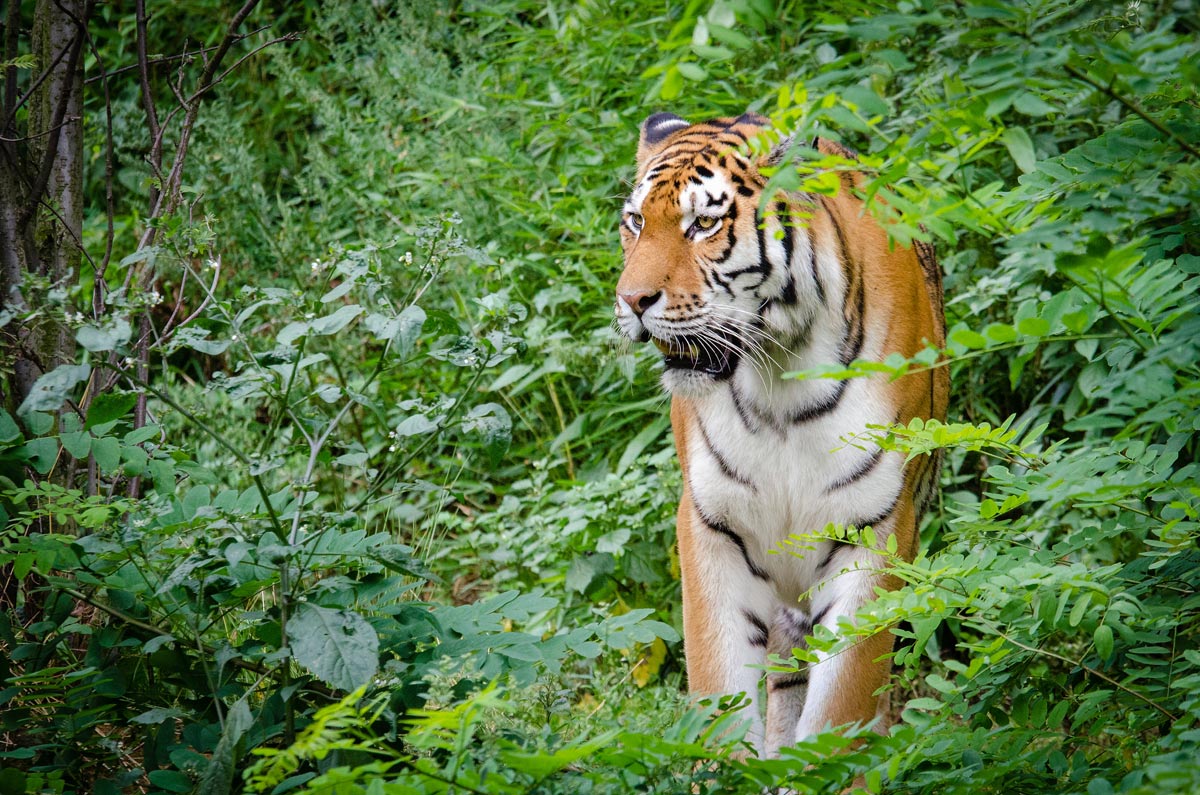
<point x="766" y="476"/>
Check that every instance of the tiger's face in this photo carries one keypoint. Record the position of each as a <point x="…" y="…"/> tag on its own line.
<point x="698" y="273"/>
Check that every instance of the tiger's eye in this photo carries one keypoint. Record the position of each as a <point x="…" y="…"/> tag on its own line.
<point x="636" y="220"/>
<point x="706" y="222"/>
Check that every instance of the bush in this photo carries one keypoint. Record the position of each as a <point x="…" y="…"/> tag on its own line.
<point x="385" y="507"/>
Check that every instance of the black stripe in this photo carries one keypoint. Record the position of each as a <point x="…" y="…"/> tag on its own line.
<point x="722" y="282"/>
<point x="858" y="474"/>
<point x="786" y="681"/>
<point x="720" y="527"/>
<point x="759" y="638"/>
<point x="836" y="547"/>
<point x="881" y="517"/>
<point x="702" y="171"/>
<point x="810" y="413"/>
<point x="730" y="234"/>
<point x="781" y="210"/>
<point x="824" y="612"/>
<point x="857" y="331"/>
<point x="856" y="341"/>
<point x="812" y="264"/>
<point x="788" y="297"/>
<point x="742" y="411"/>
<point x="743" y="190"/>
<point x="726" y="470"/>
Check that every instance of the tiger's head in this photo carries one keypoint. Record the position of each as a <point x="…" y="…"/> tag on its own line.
<point x="703" y="265"/>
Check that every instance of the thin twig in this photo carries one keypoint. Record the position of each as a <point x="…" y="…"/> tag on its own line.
<point x="98" y="284"/>
<point x="147" y="94"/>
<point x="1088" y="669"/>
<point x="169" y="58"/>
<point x="246" y="57"/>
<point x="34" y="136"/>
<point x="1133" y="106"/>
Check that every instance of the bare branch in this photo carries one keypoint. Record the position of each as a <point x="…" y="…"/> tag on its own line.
<point x="147" y="95"/>
<point x="1132" y="105"/>
<point x="98" y="284"/>
<point x="244" y="58"/>
<point x="169" y="58"/>
<point x="52" y="130"/>
<point x="168" y="198"/>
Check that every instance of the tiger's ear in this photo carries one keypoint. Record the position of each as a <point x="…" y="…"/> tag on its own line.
<point x="777" y="154"/>
<point x="655" y="130"/>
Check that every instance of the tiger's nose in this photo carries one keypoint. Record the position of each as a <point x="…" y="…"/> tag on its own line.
<point x="639" y="302"/>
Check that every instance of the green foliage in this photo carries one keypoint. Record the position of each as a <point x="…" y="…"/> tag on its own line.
<point x="390" y="510"/>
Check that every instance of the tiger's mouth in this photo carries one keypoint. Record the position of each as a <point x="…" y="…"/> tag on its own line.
<point x="688" y="353"/>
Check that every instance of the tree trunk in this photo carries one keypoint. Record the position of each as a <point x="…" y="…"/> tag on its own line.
<point x="41" y="207"/>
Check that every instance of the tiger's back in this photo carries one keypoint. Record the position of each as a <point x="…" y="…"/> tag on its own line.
<point x="736" y="296"/>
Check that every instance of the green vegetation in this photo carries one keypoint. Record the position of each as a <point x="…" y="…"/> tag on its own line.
<point x="338" y="480"/>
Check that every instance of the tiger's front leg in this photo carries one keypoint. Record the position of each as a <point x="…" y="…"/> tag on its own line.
<point x="843" y="687"/>
<point x="727" y="604"/>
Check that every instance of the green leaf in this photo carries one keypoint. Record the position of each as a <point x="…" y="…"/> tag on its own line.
<point x="40" y="453"/>
<point x="53" y="388"/>
<point x="1033" y="105"/>
<point x="109" y="406"/>
<point x="109" y="337"/>
<point x="492" y="421"/>
<point x="672" y="85"/>
<point x="196" y="338"/>
<point x="586" y="568"/>
<point x="9" y="431"/>
<point x="1000" y="332"/>
<point x="331" y="324"/>
<point x="1020" y="147"/>
<point x="78" y="443"/>
<point x="337" y="646"/>
<point x="107" y="452"/>
<point x="218" y="776"/>
<point x="415" y="425"/>
<point x="1103" y="637"/>
<point x="1034" y="327"/>
<point x="968" y="338"/>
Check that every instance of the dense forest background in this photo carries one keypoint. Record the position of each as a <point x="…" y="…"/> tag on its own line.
<point x="324" y="471"/>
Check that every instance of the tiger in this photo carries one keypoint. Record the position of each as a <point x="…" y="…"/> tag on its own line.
<point x="735" y="289"/>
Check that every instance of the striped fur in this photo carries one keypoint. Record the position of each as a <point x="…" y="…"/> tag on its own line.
<point x="735" y="293"/>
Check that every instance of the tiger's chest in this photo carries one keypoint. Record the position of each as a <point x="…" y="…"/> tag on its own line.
<point x="785" y="465"/>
